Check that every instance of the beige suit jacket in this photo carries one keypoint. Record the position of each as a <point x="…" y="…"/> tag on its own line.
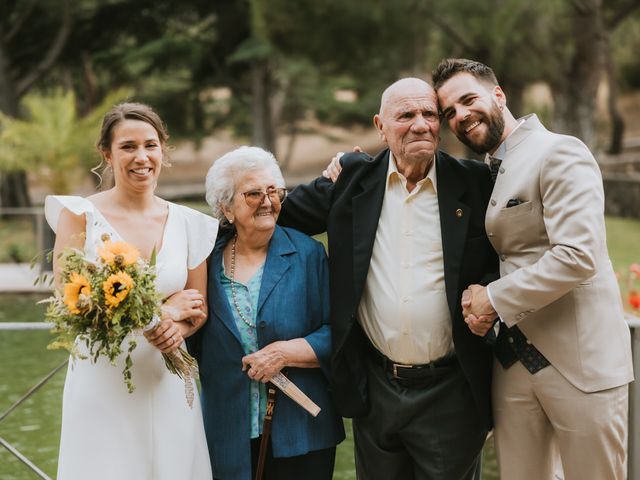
<point x="557" y="282"/>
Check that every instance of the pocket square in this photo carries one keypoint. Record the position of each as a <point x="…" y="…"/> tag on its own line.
<point x="513" y="202"/>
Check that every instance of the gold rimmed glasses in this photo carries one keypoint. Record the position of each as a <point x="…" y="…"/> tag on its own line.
<point x="254" y="198"/>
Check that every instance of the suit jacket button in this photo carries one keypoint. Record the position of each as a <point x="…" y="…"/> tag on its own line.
<point x="493" y="202"/>
<point x="501" y="170"/>
<point x="459" y="213"/>
<point x="262" y="324"/>
<point x="503" y="257"/>
<point x="510" y="339"/>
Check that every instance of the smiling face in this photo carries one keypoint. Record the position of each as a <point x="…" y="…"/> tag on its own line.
<point x="135" y="155"/>
<point x="247" y="219"/>
<point x="473" y="110"/>
<point x="408" y="120"/>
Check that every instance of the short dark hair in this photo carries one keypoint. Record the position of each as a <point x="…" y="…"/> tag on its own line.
<point x="452" y="66"/>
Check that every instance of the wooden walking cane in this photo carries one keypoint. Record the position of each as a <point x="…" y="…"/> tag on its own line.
<point x="266" y="430"/>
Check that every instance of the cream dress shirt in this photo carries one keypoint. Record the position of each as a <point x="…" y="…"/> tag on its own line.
<point x="404" y="309"/>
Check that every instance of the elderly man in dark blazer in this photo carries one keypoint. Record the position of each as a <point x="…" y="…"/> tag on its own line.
<point x="406" y="237"/>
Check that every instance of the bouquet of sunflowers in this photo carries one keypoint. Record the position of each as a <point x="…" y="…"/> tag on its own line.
<point x="103" y="301"/>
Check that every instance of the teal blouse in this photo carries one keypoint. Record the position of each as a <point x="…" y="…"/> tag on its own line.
<point x="247" y="299"/>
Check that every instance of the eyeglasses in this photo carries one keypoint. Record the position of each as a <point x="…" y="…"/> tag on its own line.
<point x="254" y="198"/>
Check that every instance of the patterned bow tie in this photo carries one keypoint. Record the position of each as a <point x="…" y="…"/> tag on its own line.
<point x="494" y="167"/>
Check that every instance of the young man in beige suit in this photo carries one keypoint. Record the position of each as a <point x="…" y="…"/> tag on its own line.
<point x="563" y="350"/>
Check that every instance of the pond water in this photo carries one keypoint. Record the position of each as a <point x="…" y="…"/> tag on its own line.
<point x="34" y="428"/>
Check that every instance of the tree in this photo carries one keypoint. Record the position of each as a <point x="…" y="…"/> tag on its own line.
<point x="158" y="51"/>
<point x="575" y="65"/>
<point x="52" y="141"/>
<point x="293" y="62"/>
<point x="31" y="41"/>
<point x="560" y="42"/>
<point x="259" y="54"/>
<point x="498" y="33"/>
<point x="615" y="12"/>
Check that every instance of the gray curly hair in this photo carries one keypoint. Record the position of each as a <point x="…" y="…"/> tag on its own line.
<point x="221" y="179"/>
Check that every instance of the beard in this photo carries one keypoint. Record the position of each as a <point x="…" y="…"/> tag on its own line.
<point x="495" y="128"/>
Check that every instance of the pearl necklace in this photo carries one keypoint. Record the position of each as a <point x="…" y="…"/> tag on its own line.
<point x="233" y="281"/>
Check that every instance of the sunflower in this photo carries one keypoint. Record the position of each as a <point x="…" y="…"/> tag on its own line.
<point x="118" y="253"/>
<point x="76" y="293"/>
<point x="116" y="288"/>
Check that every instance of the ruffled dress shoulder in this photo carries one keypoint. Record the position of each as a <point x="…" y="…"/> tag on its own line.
<point x="108" y="433"/>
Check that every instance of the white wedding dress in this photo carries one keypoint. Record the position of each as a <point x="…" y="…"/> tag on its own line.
<point x="150" y="434"/>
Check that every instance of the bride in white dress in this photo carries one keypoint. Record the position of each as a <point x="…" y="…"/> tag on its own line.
<point x="150" y="434"/>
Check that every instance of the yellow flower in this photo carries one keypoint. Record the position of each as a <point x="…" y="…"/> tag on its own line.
<point x="77" y="289"/>
<point x="118" y="253"/>
<point x="116" y="288"/>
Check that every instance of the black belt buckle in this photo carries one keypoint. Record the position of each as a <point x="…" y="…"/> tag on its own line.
<point x="395" y="366"/>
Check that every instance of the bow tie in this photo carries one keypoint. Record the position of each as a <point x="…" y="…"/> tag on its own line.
<point x="494" y="167"/>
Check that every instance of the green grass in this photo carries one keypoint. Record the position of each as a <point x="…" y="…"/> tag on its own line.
<point x="34" y="428"/>
<point x="345" y="468"/>
<point x="18" y="241"/>
<point x="623" y="239"/>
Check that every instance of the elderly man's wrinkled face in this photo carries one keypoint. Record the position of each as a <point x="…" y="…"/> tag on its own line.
<point x="408" y="121"/>
<point x="473" y="110"/>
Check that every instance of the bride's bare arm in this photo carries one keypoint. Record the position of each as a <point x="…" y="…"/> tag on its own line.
<point x="183" y="313"/>
<point x="70" y="233"/>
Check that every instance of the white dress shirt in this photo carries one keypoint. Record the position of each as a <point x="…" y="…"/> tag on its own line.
<point x="404" y="309"/>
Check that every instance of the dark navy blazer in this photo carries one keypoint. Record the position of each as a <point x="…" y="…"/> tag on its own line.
<point x="293" y="303"/>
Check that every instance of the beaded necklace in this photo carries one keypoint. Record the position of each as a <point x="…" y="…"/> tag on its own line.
<point x="233" y="281"/>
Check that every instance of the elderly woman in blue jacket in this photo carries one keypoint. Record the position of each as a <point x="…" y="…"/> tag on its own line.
<point x="269" y="311"/>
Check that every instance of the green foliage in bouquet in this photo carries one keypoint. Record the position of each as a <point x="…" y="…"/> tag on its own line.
<point x="101" y="302"/>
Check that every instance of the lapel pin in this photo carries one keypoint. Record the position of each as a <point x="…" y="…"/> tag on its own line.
<point x="459" y="213"/>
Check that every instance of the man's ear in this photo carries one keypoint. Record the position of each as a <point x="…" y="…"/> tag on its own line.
<point x="377" y="122"/>
<point x="500" y="97"/>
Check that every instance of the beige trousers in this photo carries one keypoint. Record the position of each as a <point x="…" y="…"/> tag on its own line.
<point x="541" y="419"/>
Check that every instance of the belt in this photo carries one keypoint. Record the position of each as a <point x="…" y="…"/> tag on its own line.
<point x="403" y="371"/>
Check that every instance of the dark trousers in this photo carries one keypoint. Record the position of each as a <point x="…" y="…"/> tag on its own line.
<point x="418" y="430"/>
<point x="316" y="465"/>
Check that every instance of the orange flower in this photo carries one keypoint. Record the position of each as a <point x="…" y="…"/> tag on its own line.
<point x="116" y="288"/>
<point x="634" y="300"/>
<point x="118" y="253"/>
<point x="76" y="293"/>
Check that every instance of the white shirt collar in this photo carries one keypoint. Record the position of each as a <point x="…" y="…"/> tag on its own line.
<point x="431" y="174"/>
